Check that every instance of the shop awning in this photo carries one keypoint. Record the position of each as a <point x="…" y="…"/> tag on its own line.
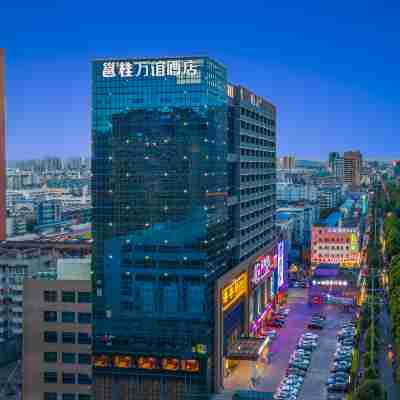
<point x="247" y="348"/>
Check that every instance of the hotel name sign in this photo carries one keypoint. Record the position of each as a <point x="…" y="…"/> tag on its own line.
<point x="158" y="68"/>
<point x="234" y="290"/>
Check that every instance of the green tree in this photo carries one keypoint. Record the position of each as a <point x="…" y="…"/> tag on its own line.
<point x="367" y="359"/>
<point x="370" y="389"/>
<point x="370" y="373"/>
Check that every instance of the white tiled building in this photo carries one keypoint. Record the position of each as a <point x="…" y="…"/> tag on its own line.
<point x="15" y="265"/>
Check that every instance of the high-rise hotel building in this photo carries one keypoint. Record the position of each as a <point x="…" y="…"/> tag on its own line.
<point x="2" y="149"/>
<point x="183" y="192"/>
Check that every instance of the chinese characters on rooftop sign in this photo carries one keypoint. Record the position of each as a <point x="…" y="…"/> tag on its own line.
<point x="157" y="68"/>
<point x="234" y="290"/>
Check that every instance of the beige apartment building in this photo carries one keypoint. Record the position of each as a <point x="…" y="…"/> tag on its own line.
<point x="57" y="335"/>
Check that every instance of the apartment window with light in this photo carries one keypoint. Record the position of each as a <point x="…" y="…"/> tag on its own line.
<point x="84" y="297"/>
<point x="84" y="379"/>
<point x="68" y="396"/>
<point x="84" y="358"/>
<point x="84" y="318"/>
<point x="69" y="337"/>
<point x="50" y="377"/>
<point x="50" y="316"/>
<point x="84" y="338"/>
<point x="68" y="358"/>
<point x="50" y="357"/>
<point x="50" y="337"/>
<point x="68" y="378"/>
<point x="68" y="317"/>
<point x="68" y="297"/>
<point x="50" y="296"/>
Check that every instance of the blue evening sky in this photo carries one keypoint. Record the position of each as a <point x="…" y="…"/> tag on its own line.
<point x="331" y="67"/>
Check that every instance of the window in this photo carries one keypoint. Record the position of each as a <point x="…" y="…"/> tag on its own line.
<point x="50" y="337"/>
<point x="68" y="337"/>
<point x="50" y="377"/>
<point x="68" y="297"/>
<point x="50" y="316"/>
<point x="68" y="316"/>
<point x="84" y="358"/>
<point x="84" y="397"/>
<point x="68" y="378"/>
<point x="50" y="396"/>
<point x="84" y="297"/>
<point x="84" y="338"/>
<point x="50" y="357"/>
<point x="68" y="358"/>
<point x="84" y="318"/>
<point x="68" y="396"/>
<point x="84" y="379"/>
<point x="50" y="296"/>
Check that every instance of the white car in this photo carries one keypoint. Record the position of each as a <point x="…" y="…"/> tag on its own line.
<point x="310" y="335"/>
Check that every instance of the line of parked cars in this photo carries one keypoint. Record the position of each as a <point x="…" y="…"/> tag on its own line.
<point x="296" y="371"/>
<point x="278" y="318"/>
<point x="338" y="382"/>
<point x="317" y="321"/>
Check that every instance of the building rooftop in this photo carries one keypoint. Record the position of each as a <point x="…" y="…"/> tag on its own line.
<point x="282" y="216"/>
<point x="333" y="219"/>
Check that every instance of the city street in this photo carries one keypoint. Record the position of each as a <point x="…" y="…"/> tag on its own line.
<point x="283" y="346"/>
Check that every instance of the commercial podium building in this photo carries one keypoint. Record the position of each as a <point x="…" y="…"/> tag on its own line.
<point x="183" y="191"/>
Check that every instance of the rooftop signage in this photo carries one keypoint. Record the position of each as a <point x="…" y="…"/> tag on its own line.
<point x="157" y="68"/>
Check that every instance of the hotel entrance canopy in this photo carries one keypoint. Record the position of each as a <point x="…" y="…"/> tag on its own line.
<point x="247" y="348"/>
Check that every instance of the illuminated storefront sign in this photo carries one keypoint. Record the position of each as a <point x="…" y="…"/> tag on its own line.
<point x="262" y="268"/>
<point x="349" y="263"/>
<point x="123" y="361"/>
<point x="330" y="283"/>
<point x="354" y="242"/>
<point x="147" y="363"/>
<point x="233" y="291"/>
<point x="340" y="230"/>
<point x="171" y="364"/>
<point x="101" y="361"/>
<point x="281" y="260"/>
<point x="152" y="68"/>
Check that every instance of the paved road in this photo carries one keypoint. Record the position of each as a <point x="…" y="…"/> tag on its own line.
<point x="314" y="385"/>
<point x="385" y="365"/>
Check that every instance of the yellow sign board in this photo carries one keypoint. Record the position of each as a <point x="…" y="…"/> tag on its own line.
<point x="349" y="263"/>
<point x="234" y="290"/>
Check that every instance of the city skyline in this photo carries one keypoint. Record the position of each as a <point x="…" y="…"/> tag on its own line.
<point x="324" y="85"/>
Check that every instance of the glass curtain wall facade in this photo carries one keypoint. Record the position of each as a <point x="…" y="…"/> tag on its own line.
<point x="160" y="218"/>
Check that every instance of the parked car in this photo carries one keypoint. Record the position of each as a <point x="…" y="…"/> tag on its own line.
<point x="338" y="387"/>
<point x="295" y="371"/>
<point x="275" y="324"/>
<point x="315" y="325"/>
<point x="321" y="316"/>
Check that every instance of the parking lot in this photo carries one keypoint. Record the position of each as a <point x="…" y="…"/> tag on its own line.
<point x="314" y="387"/>
<point x="282" y="347"/>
